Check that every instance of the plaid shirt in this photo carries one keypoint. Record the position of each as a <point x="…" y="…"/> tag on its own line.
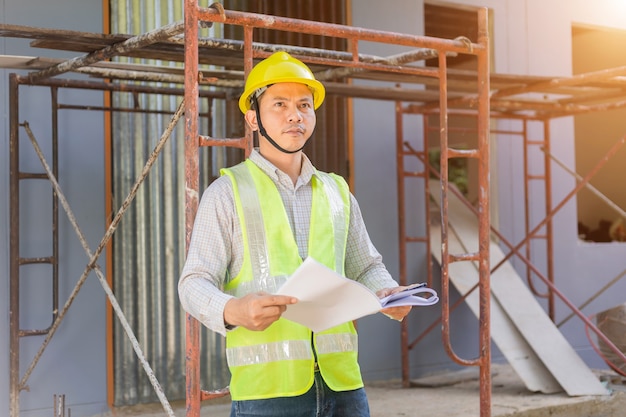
<point x="215" y="252"/>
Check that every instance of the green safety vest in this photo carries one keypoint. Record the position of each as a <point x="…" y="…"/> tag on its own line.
<point x="280" y="361"/>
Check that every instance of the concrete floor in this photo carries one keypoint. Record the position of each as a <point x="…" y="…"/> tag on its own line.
<point x="509" y="398"/>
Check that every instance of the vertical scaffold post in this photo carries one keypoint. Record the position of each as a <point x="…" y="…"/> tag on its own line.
<point x="484" y="223"/>
<point x="192" y="368"/>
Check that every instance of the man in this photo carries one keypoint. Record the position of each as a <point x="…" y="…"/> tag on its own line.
<point x="254" y="226"/>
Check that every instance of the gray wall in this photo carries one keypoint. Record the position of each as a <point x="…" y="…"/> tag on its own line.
<point x="74" y="364"/>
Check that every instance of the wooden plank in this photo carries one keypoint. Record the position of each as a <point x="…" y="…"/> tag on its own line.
<point x="464" y="275"/>
<point x="525" y="312"/>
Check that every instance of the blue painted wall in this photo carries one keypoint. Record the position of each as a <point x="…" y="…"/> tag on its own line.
<point x="74" y="364"/>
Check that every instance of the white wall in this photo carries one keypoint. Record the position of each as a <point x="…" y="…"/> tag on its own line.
<point x="530" y="37"/>
<point x="580" y="269"/>
<point x="74" y="363"/>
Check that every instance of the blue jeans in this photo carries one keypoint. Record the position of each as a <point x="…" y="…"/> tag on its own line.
<point x="319" y="401"/>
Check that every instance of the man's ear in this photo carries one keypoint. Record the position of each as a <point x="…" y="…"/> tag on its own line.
<point x="250" y="117"/>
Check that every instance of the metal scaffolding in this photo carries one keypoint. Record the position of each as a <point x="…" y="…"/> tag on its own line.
<point x="476" y="94"/>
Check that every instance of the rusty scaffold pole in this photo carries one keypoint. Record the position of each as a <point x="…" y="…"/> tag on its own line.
<point x="192" y="367"/>
<point x="481" y="154"/>
<point x="481" y="105"/>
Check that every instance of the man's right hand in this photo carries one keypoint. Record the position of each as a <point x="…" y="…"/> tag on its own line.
<point x="256" y="311"/>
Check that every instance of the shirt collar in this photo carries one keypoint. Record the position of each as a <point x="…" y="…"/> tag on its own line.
<point x="306" y="173"/>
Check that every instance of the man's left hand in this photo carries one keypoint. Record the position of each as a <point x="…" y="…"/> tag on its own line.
<point x="396" y="313"/>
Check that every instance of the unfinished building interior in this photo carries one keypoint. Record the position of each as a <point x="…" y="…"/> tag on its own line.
<point x="447" y="100"/>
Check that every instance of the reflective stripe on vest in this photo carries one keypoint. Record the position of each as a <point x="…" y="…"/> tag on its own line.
<point x="270" y="256"/>
<point x="292" y="349"/>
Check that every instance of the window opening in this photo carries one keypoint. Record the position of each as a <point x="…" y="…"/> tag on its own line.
<point x="600" y="206"/>
<point x="450" y="22"/>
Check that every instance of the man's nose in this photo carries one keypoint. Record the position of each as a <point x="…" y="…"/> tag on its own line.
<point x="295" y="115"/>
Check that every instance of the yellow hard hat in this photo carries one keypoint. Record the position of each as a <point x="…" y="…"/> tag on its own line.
<point x="280" y="67"/>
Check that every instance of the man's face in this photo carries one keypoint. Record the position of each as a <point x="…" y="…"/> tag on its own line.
<point x="287" y="114"/>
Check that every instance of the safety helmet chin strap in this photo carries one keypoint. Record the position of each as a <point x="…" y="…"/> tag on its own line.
<point x="263" y="132"/>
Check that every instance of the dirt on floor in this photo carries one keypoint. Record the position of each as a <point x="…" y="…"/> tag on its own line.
<point x="509" y="398"/>
<point x="458" y="397"/>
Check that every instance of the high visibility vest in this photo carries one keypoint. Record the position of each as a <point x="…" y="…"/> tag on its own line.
<point x="280" y="361"/>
